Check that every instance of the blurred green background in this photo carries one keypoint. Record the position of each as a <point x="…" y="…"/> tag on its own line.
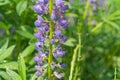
<point x="93" y="46"/>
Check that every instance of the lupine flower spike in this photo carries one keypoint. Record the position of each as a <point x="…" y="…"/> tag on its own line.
<point x="43" y="34"/>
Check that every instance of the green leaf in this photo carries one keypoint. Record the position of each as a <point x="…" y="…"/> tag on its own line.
<point x="21" y="6"/>
<point x="25" y="34"/>
<point x="70" y="42"/>
<point x="97" y="26"/>
<point x="4" y="2"/>
<point x="116" y="26"/>
<point x="22" y="67"/>
<point x="9" y="65"/>
<point x="13" y="75"/>
<point x="28" y="50"/>
<point x="33" y="77"/>
<point x="7" y="53"/>
<point x="4" y="26"/>
<point x="4" y="75"/>
<point x="4" y="47"/>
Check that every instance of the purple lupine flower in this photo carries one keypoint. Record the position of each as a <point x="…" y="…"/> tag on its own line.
<point x="39" y="9"/>
<point x="44" y="28"/>
<point x="53" y="65"/>
<point x="39" y="57"/>
<point x="39" y="68"/>
<point x="39" y="45"/>
<point x="52" y="41"/>
<point x="42" y="35"/>
<point x="38" y="73"/>
<point x="54" y="15"/>
<point x="58" y="75"/>
<point x="58" y="33"/>
<point x="36" y="59"/>
<point x="62" y="65"/>
<point x="64" y="8"/>
<point x="62" y="39"/>
<point x="39" y="21"/>
<point x="63" y="22"/>
<point x="42" y="1"/>
<point x="59" y="2"/>
<point x="58" y="52"/>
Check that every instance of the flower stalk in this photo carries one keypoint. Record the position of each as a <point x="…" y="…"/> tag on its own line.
<point x="50" y="31"/>
<point x="50" y="45"/>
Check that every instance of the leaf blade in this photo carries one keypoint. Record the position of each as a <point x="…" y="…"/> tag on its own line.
<point x="13" y="75"/>
<point x="7" y="53"/>
<point x="22" y="67"/>
<point x="21" y="6"/>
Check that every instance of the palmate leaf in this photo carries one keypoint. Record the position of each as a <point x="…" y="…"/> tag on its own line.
<point x="13" y="75"/>
<point x="7" y="52"/>
<point x="22" y="67"/>
<point x="4" y="75"/>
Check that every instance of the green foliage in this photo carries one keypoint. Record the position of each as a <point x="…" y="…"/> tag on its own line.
<point x="28" y="50"/>
<point x="92" y="48"/>
<point x="13" y="75"/>
<point x="4" y="2"/>
<point x="9" y="65"/>
<point x="6" y="52"/>
<point x="4" y="75"/>
<point x="21" y="6"/>
<point x="22" y="67"/>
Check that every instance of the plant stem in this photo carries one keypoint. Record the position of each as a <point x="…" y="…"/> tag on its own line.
<point x="50" y="45"/>
<point x="115" y="73"/>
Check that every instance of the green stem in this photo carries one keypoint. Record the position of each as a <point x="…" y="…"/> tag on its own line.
<point x="115" y="73"/>
<point x="50" y="45"/>
<point x="86" y="10"/>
